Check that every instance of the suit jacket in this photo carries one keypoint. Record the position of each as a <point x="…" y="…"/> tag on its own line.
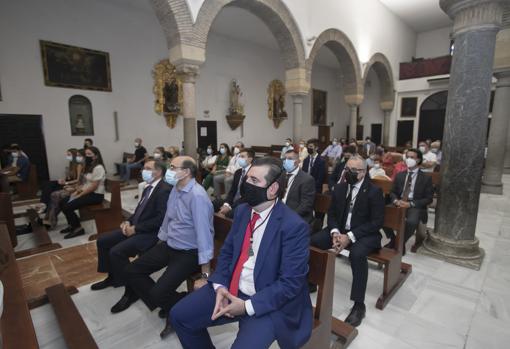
<point x="371" y="149"/>
<point x="318" y="171"/>
<point x="280" y="272"/>
<point x="367" y="214"/>
<point x="301" y="196"/>
<point x="233" y="189"/>
<point x="154" y="211"/>
<point x="334" y="177"/>
<point x="23" y="164"/>
<point x="423" y="192"/>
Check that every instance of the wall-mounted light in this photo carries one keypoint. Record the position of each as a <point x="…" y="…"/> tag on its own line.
<point x="206" y="113"/>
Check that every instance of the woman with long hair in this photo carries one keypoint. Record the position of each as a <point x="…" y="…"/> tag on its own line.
<point x="90" y="193"/>
<point x="220" y="165"/>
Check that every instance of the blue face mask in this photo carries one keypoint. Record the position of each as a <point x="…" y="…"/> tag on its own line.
<point x="242" y="162"/>
<point x="222" y="151"/>
<point x="288" y="165"/>
<point x="171" y="177"/>
<point x="147" y="176"/>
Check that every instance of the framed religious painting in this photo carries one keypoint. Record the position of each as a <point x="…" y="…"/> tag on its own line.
<point x="319" y="107"/>
<point x="75" y="67"/>
<point x="408" y="107"/>
<point x="80" y="116"/>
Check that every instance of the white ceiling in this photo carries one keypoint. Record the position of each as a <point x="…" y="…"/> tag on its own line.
<point x="421" y="15"/>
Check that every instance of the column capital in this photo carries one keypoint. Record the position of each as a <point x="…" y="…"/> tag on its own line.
<point x="297" y="97"/>
<point x="473" y="14"/>
<point x="186" y="54"/>
<point x="187" y="72"/>
<point x="296" y="82"/>
<point x="387" y="106"/>
<point x="353" y="100"/>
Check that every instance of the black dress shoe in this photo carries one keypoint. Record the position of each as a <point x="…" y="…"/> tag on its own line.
<point x="66" y="230"/>
<point x="356" y="315"/>
<point x="166" y="331"/>
<point x="122" y="304"/>
<point x="102" y="284"/>
<point x="312" y="288"/>
<point x="75" y="233"/>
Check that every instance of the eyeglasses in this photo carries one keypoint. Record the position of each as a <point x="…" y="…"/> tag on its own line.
<point x="172" y="167"/>
<point x="354" y="169"/>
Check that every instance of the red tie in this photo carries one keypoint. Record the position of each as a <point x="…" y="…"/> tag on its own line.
<point x="243" y="257"/>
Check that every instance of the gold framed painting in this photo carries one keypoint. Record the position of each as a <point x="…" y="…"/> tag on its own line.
<point x="167" y="91"/>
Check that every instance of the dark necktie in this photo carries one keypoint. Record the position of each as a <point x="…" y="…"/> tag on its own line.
<point x="238" y="191"/>
<point x="141" y="204"/>
<point x="243" y="257"/>
<point x="346" y="207"/>
<point x="407" y="189"/>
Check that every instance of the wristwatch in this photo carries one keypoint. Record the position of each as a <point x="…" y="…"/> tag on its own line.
<point x="205" y="275"/>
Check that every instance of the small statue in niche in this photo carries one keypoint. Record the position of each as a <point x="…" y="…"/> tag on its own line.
<point x="276" y="102"/>
<point x="235" y="115"/>
<point x="170" y="93"/>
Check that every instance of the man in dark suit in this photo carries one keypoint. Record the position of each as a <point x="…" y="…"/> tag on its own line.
<point x="338" y="171"/>
<point x="260" y="278"/>
<point x="354" y="218"/>
<point x="368" y="148"/>
<point x="138" y="233"/>
<point x="299" y="192"/>
<point x="233" y="198"/>
<point x="314" y="164"/>
<point x="413" y="190"/>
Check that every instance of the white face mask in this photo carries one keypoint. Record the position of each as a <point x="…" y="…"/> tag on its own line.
<point x="377" y="166"/>
<point x="287" y="144"/>
<point x="137" y="144"/>
<point x="301" y="146"/>
<point x="422" y="149"/>
<point x="157" y="156"/>
<point x="410" y="162"/>
<point x="236" y="150"/>
<point x="69" y="157"/>
<point x="335" y="142"/>
<point x="434" y="150"/>
<point x="222" y="151"/>
<point x="209" y="151"/>
<point x="79" y="159"/>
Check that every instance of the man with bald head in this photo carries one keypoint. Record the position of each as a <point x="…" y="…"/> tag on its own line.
<point x="354" y="218"/>
<point x="185" y="244"/>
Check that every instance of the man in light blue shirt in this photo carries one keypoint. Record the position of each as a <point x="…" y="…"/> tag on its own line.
<point x="288" y="146"/>
<point x="333" y="151"/>
<point x="185" y="246"/>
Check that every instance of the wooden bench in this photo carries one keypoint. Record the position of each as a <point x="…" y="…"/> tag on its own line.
<point x="75" y="331"/>
<point x="320" y="208"/>
<point x="322" y="274"/>
<point x="6" y="215"/>
<point x="108" y="215"/>
<point x="395" y="272"/>
<point x="17" y="329"/>
<point x="28" y="190"/>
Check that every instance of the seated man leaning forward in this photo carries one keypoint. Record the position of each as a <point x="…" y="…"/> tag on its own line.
<point x="261" y="277"/>
<point x="139" y="232"/>
<point x="354" y="218"/>
<point x="185" y="246"/>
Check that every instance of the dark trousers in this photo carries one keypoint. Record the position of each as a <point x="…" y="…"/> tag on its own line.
<point x="68" y="208"/>
<point x="358" y="257"/>
<point x="191" y="317"/>
<point x="413" y="217"/>
<point x="114" y="250"/>
<point x="180" y="264"/>
<point x="46" y="190"/>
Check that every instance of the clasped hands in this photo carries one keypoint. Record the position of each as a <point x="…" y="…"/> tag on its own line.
<point x="340" y="241"/>
<point x="227" y="304"/>
<point x="402" y="203"/>
<point x="127" y="229"/>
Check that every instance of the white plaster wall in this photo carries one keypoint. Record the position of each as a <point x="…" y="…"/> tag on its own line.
<point x="127" y="29"/>
<point x="433" y="43"/>
<point x="370" y="109"/>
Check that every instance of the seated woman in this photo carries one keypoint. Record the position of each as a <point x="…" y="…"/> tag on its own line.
<point x="67" y="187"/>
<point x="159" y="154"/>
<point x="90" y="193"/>
<point x="208" y="162"/>
<point x="172" y="152"/>
<point x="219" y="167"/>
<point x="18" y="165"/>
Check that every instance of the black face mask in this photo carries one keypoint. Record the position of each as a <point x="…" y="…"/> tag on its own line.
<point x="252" y="194"/>
<point x="310" y="150"/>
<point x="351" y="177"/>
<point x="88" y="160"/>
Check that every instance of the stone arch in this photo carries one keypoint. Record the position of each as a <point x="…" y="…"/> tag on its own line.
<point x="274" y="13"/>
<point x="347" y="57"/>
<point x="382" y="68"/>
<point x="176" y="20"/>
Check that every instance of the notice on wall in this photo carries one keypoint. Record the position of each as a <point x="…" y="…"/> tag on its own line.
<point x="203" y="131"/>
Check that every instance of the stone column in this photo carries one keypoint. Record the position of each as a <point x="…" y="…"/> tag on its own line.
<point x="387" y="108"/>
<point x="506" y="169"/>
<point x="188" y="75"/>
<point x="498" y="136"/>
<point x="353" y="108"/>
<point x="297" y="103"/>
<point x="476" y="24"/>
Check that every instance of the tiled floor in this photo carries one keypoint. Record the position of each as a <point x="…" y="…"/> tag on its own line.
<point x="440" y="305"/>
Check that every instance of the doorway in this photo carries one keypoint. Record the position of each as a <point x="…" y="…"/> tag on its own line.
<point x="432" y="117"/>
<point x="207" y="133"/>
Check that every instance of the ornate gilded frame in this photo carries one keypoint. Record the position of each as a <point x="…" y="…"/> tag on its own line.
<point x="165" y="73"/>
<point x="276" y="91"/>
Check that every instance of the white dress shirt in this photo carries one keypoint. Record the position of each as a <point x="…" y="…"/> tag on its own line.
<point x="414" y="175"/>
<point x="291" y="181"/>
<point x="246" y="281"/>
<point x="355" y="190"/>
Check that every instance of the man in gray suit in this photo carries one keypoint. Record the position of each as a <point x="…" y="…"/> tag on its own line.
<point x="299" y="192"/>
<point x="368" y="148"/>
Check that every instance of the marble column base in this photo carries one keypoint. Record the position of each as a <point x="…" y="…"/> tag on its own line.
<point x="492" y="188"/>
<point x="466" y="253"/>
